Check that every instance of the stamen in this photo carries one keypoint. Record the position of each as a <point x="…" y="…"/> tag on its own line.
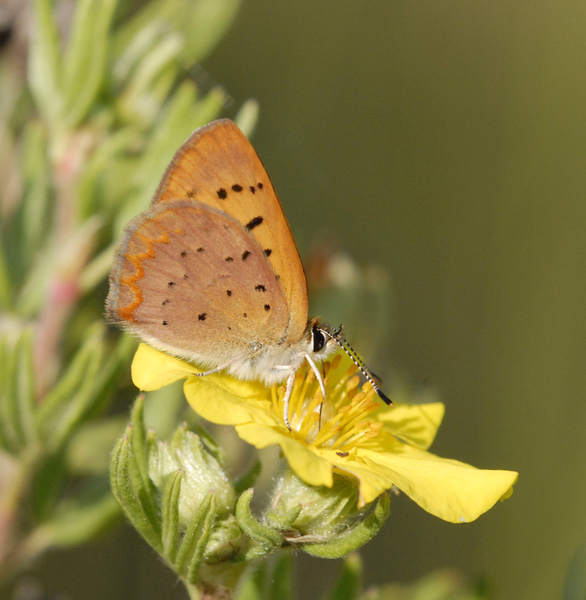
<point x="275" y="399"/>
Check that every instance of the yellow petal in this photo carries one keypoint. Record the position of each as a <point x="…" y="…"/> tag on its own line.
<point x="221" y="399"/>
<point x="302" y="459"/>
<point x="448" y="489"/>
<point x="416" y="424"/>
<point x="373" y="482"/>
<point x="152" y="370"/>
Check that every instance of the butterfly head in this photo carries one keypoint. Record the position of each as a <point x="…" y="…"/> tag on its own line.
<point x="325" y="338"/>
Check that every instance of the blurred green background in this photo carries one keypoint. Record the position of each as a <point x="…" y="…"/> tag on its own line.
<point x="445" y="141"/>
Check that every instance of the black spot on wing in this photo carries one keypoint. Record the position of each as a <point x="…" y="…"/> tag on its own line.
<point x="253" y="223"/>
<point x="237" y="188"/>
<point x="184" y="254"/>
<point x="260" y="288"/>
<point x="229" y="292"/>
<point x="252" y="189"/>
<point x="268" y="251"/>
<point x="164" y="322"/>
<point x="228" y="259"/>
<point x="200" y="249"/>
<point x="259" y="185"/>
<point x="245" y="255"/>
<point x="171" y="284"/>
<point x="222" y="194"/>
<point x="202" y="317"/>
<point x="267" y="307"/>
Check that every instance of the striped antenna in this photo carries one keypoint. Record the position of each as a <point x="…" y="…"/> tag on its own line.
<point x="341" y="341"/>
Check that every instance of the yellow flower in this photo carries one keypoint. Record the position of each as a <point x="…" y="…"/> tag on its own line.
<point x="383" y="447"/>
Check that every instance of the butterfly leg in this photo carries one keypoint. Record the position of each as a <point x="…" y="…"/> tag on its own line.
<point x="318" y="375"/>
<point x="231" y="362"/>
<point x="290" y="383"/>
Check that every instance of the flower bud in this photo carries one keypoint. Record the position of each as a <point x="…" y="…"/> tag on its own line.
<point x="201" y="472"/>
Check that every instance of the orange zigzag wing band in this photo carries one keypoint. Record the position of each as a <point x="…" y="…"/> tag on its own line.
<point x="127" y="312"/>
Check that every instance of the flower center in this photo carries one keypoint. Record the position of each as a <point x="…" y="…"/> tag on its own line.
<point x="340" y="422"/>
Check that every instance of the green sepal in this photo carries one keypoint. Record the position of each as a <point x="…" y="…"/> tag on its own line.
<point x="122" y="488"/>
<point x="268" y="538"/>
<point x="283" y="521"/>
<point x="139" y="441"/>
<point x="195" y="538"/>
<point x="170" y="515"/>
<point x="349" y="583"/>
<point x="144" y="489"/>
<point x="354" y="538"/>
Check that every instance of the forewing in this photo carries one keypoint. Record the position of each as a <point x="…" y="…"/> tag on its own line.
<point x="191" y="281"/>
<point x="218" y="166"/>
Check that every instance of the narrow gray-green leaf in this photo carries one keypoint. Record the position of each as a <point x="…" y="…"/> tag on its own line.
<point x="85" y="58"/>
<point x="44" y="63"/>
<point x="25" y="388"/>
<point x="72" y="379"/>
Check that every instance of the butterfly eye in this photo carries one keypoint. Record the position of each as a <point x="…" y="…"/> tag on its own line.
<point x="318" y="339"/>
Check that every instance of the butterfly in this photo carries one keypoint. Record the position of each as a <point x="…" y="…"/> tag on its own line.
<point x="210" y="272"/>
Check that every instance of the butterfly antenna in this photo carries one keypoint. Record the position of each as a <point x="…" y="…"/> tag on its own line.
<point x="342" y="342"/>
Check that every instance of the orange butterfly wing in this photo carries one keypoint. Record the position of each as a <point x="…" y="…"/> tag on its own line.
<point x="218" y="166"/>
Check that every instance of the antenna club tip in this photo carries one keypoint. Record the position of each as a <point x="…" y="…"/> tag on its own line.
<point x="384" y="397"/>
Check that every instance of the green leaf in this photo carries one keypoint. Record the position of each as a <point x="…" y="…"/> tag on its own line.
<point x="349" y="582"/>
<point x="10" y="422"/>
<point x="88" y="451"/>
<point x="44" y="64"/>
<point x="35" y="204"/>
<point x="253" y="583"/>
<point x="354" y="538"/>
<point x="80" y="522"/>
<point x="6" y="286"/>
<point x="247" y="117"/>
<point x="141" y="102"/>
<point x="203" y="23"/>
<point x="85" y="58"/>
<point x="282" y="578"/>
<point x="76" y="406"/>
<point x="72" y="379"/>
<point x="25" y="388"/>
